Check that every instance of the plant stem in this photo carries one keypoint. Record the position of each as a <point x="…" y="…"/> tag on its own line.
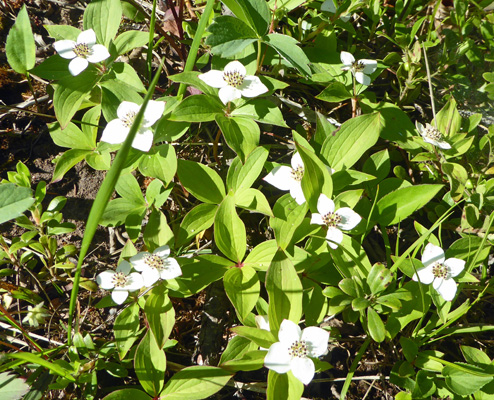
<point x="353" y="367"/>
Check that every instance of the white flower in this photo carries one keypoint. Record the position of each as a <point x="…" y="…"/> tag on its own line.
<point x="360" y="69"/>
<point x="432" y="135"/>
<point x="439" y="271"/>
<point x="36" y="315"/>
<point x="156" y="266"/>
<point x="286" y="178"/>
<point x="116" y="130"/>
<point x="234" y="82"/>
<point x="121" y="281"/>
<point x="294" y="348"/>
<point x="343" y="218"/>
<point x="82" y="52"/>
<point x="262" y="322"/>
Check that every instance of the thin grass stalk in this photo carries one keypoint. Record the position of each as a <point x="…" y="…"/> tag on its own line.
<point x="102" y="198"/>
<point x="353" y="368"/>
<point x="152" y="24"/>
<point x="191" y="59"/>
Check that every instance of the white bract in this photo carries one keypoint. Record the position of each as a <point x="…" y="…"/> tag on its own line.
<point x="82" y="52"/>
<point x="116" y="130"/>
<point x="336" y="220"/>
<point x="294" y="348"/>
<point x="234" y="82"/>
<point x="286" y="178"/>
<point x="432" y="135"/>
<point x="156" y="266"/>
<point x="360" y="69"/>
<point x="36" y="315"/>
<point x="121" y="281"/>
<point x="439" y="271"/>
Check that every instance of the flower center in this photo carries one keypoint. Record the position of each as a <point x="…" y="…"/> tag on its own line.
<point x="155" y="261"/>
<point x="358" y="66"/>
<point x="120" y="279"/>
<point x="432" y="133"/>
<point x="331" y="219"/>
<point x="129" y="118"/>
<point x="233" y="78"/>
<point x="298" y="349"/>
<point x="82" y="50"/>
<point x="439" y="270"/>
<point x="298" y="173"/>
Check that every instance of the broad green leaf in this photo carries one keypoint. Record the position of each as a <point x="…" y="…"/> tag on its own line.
<point x="53" y="68"/>
<point x="379" y="278"/>
<point x="284" y="386"/>
<point x="335" y="92"/>
<point x="288" y="215"/>
<point x="197" y="108"/>
<point x="191" y="78"/>
<point x="261" y="110"/>
<point x="119" y="209"/>
<point x="61" y="32"/>
<point x="410" y="348"/>
<point x="71" y="137"/>
<point x="66" y="161"/>
<point x="127" y="394"/>
<point x="323" y="130"/>
<point x="113" y="93"/>
<point x="378" y="165"/>
<point x="130" y="40"/>
<point x="403" y="202"/>
<point x="229" y="36"/>
<point x="160" y="315"/>
<point x="242" y="288"/>
<point x="35" y="359"/>
<point x="237" y="346"/>
<point x="150" y="365"/>
<point x="254" y="13"/>
<point x="457" y="176"/>
<point x="249" y="362"/>
<point x="69" y="94"/>
<point x="103" y="16"/>
<point x="449" y="119"/>
<point x="90" y="124"/>
<point x="170" y="131"/>
<point x="125" y="73"/>
<point x="14" y="200"/>
<point x="467" y="380"/>
<point x="160" y="162"/>
<point x="474" y="355"/>
<point x="260" y="337"/>
<point x="241" y="134"/>
<point x="351" y="141"/>
<point x="315" y="304"/>
<point x="425" y="386"/>
<point x="20" y="48"/>
<point x="286" y="47"/>
<point x="13" y="388"/>
<point x="254" y="200"/>
<point x="375" y="325"/>
<point x="203" y="182"/>
<point x="242" y="176"/>
<point x="125" y="329"/>
<point x="194" y="383"/>
<point x="285" y="291"/>
<point x="229" y="230"/>
<point x="157" y="232"/>
<point x="197" y="220"/>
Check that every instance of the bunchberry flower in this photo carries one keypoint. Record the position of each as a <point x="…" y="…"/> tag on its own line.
<point x="156" y="266"/>
<point x="234" y="82"/>
<point x="116" y="130"/>
<point x="36" y="315"/>
<point x="294" y="348"/>
<point x="439" y="271"/>
<point x="122" y="281"/>
<point x="335" y="220"/>
<point x="432" y="135"/>
<point x="360" y="69"/>
<point x="82" y="52"/>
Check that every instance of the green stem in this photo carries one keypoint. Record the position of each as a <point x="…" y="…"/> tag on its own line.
<point x="102" y="198"/>
<point x="353" y="367"/>
<point x="191" y="59"/>
<point x="152" y="23"/>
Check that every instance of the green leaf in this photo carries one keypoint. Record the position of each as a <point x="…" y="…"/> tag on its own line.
<point x="71" y="137"/>
<point x="403" y="202"/>
<point x="203" y="182"/>
<point x="54" y="67"/>
<point x="288" y="215"/>
<point x="460" y="381"/>
<point x="103" y="16"/>
<point x="125" y="329"/>
<point x="284" y="290"/>
<point x="61" y="32"/>
<point x="13" y="388"/>
<point x="194" y="383"/>
<point x="160" y="162"/>
<point x="241" y="134"/>
<point x="254" y="13"/>
<point x="14" y="200"/>
<point x="379" y="278"/>
<point x="254" y="200"/>
<point x="191" y="78"/>
<point x="125" y="73"/>
<point x="375" y="325"/>
<point x="242" y="176"/>
<point x="20" y="48"/>
<point x="260" y="337"/>
<point x="347" y="145"/>
<point x="113" y="93"/>
<point x="457" y="176"/>
<point x="237" y="346"/>
<point x="69" y="94"/>
<point x="449" y="119"/>
<point x="150" y="365"/>
<point x="261" y="110"/>
<point x="160" y="315"/>
<point x="287" y="48"/>
<point x="474" y="356"/>
<point x="66" y="161"/>
<point x="229" y="36"/>
<point x="410" y="348"/>
<point x="249" y="362"/>
<point x="197" y="220"/>
<point x="157" y="232"/>
<point x="229" y="230"/>
<point x="242" y="288"/>
<point x="197" y="108"/>
<point x="130" y="40"/>
<point x="335" y="92"/>
<point x="35" y="359"/>
<point x="284" y="386"/>
<point x="127" y="394"/>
